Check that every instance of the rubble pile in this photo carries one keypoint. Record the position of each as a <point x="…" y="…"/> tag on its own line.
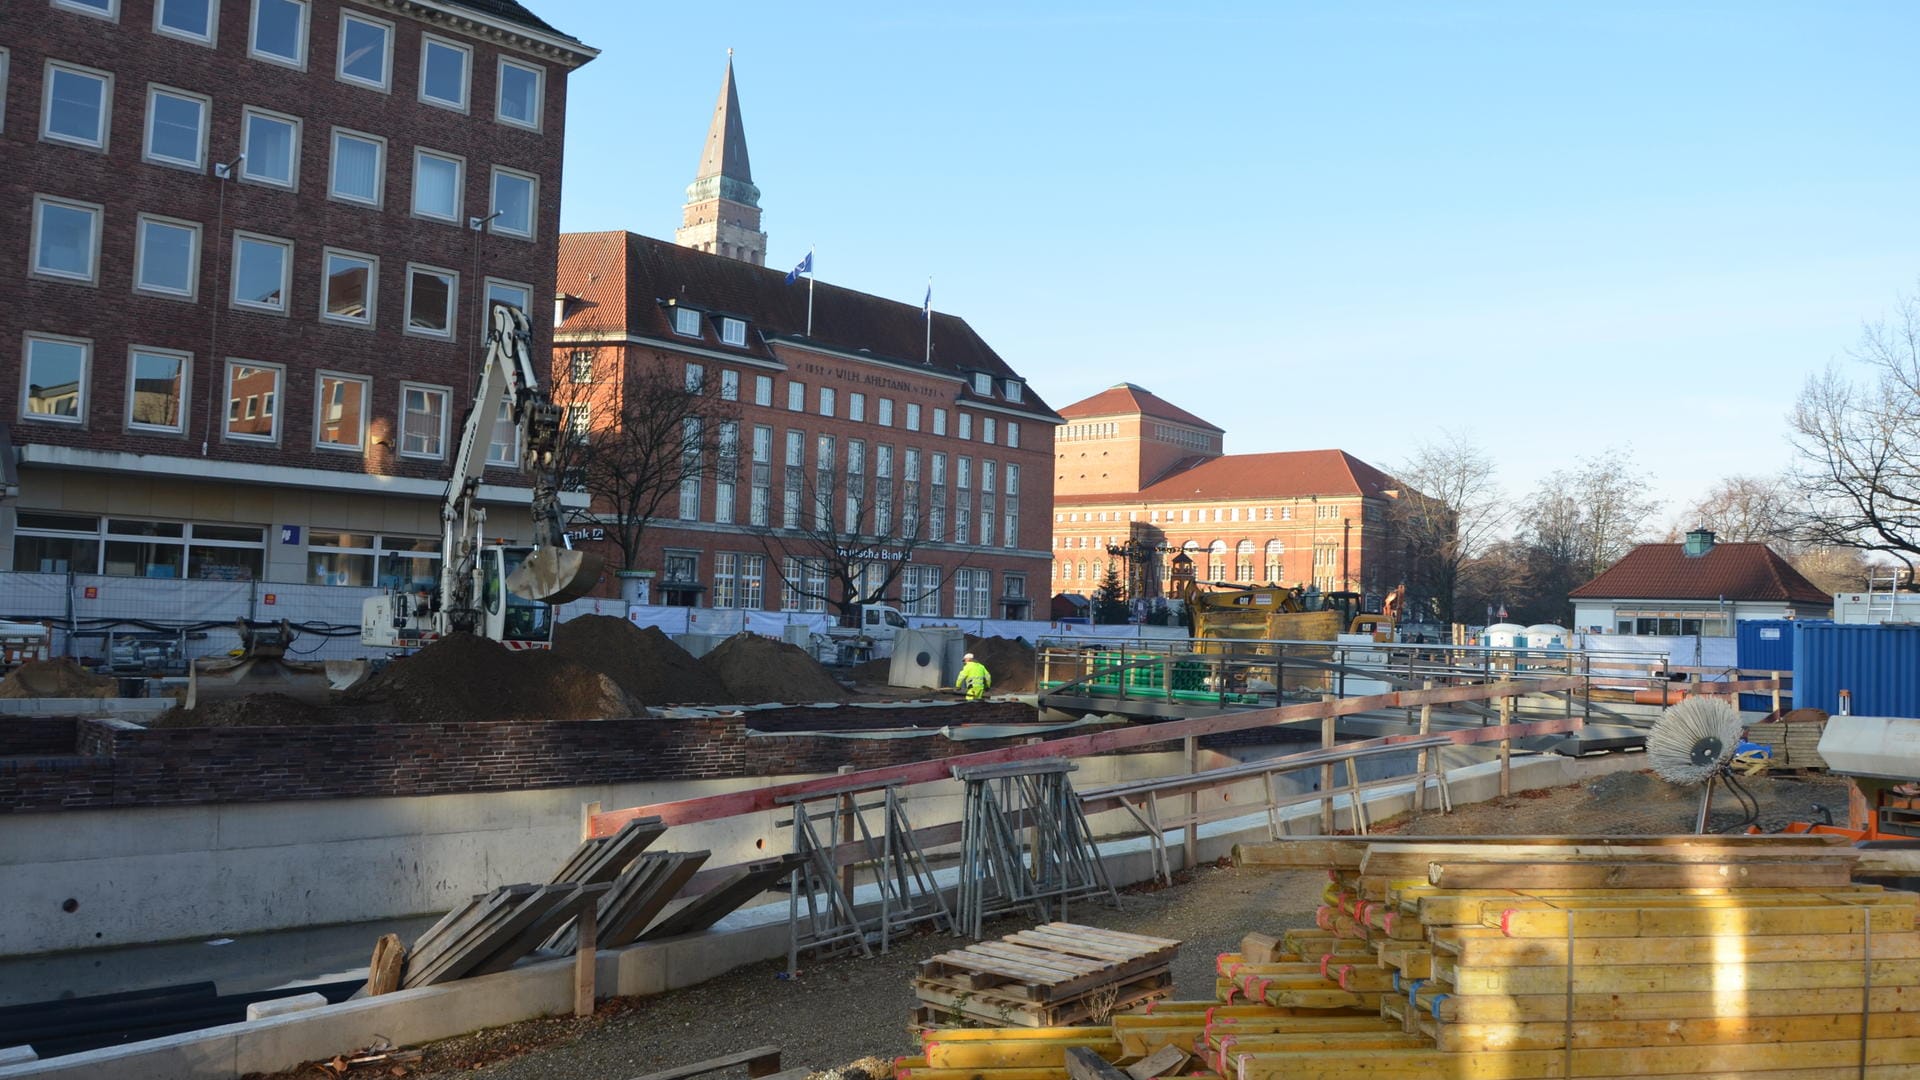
<point x="464" y="677"/>
<point x="760" y="669"/>
<point x="60" y="678"/>
<point x="647" y="664"/>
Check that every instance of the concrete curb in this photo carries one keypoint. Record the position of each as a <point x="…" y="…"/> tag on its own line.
<point x="413" y="1017"/>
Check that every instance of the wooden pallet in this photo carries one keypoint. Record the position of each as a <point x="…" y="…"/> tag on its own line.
<point x="1050" y="963"/>
<point x="949" y="1003"/>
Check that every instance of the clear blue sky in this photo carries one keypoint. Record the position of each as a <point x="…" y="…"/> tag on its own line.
<point x="1558" y="227"/>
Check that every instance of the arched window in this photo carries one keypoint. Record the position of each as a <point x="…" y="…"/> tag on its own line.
<point x="1217" y="561"/>
<point x="1082" y="573"/>
<point x="1243" y="559"/>
<point x="1275" y="549"/>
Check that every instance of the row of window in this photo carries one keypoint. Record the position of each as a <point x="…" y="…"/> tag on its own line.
<point x="827" y="403"/>
<point x="55" y="543"/>
<point x="1102" y="430"/>
<point x="1205" y="515"/>
<point x="57" y="372"/>
<point x="77" y="110"/>
<point x="740" y="581"/>
<point x="66" y="244"/>
<point x="891" y="502"/>
<point x="279" y="33"/>
<point x="1187" y="437"/>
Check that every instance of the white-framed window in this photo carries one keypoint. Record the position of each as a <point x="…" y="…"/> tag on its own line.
<point x="1013" y="435"/>
<point x="166" y="257"/>
<point x="349" y="287"/>
<point x="733" y="331"/>
<point x="340" y="411"/>
<point x="729" y="385"/>
<point x="504" y="447"/>
<point x="430" y="300"/>
<point x="804" y="584"/>
<point x="66" y="239"/>
<point x="438" y="181"/>
<point x="796" y="397"/>
<point x="1276" y="551"/>
<point x="857" y="407"/>
<point x="366" y="560"/>
<point x="983" y="384"/>
<point x="271" y="143"/>
<point x="690" y="486"/>
<point x="76" y="105"/>
<point x="253" y="400"/>
<point x="763" y="390"/>
<point x="513" y="294"/>
<point x="580" y="365"/>
<point x="190" y="20"/>
<point x="176" y="127"/>
<point x="516" y="198"/>
<point x="920" y="590"/>
<point x="262" y="266"/>
<point x="444" y="68"/>
<point x="366" y="51"/>
<point x="1015" y="390"/>
<point x="54" y="378"/>
<point x="986" y="430"/>
<point x="148" y="549"/>
<point x="521" y="94"/>
<point x="694" y="378"/>
<point x="106" y="9"/>
<point x="686" y="322"/>
<point x="423" y="420"/>
<point x="972" y="593"/>
<point x="913" y="417"/>
<point x="939" y="421"/>
<point x="157" y="389"/>
<point x="826" y="401"/>
<point x="579" y="421"/>
<point x="726" y="567"/>
<point x="966" y="425"/>
<point x="279" y="32"/>
<point x="358" y="172"/>
<point x="760" y="504"/>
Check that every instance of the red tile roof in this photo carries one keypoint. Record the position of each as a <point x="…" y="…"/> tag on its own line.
<point x="1735" y="571"/>
<point x="624" y="281"/>
<point x="1283" y="475"/>
<point x="1126" y="399"/>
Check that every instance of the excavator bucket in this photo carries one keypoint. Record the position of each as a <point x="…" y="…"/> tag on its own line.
<point x="555" y="575"/>
<point x="224" y="678"/>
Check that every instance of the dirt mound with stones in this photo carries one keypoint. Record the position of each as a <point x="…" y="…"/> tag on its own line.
<point x="464" y="677"/>
<point x="647" y="664"/>
<point x="252" y="710"/>
<point x="55" y="679"/>
<point x="1008" y="660"/>
<point x="759" y="669"/>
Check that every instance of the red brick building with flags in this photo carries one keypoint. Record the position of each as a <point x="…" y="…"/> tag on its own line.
<point x="1139" y="480"/>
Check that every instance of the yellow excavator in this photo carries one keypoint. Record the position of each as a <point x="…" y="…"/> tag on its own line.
<point x="500" y="591"/>
<point x="1221" y="609"/>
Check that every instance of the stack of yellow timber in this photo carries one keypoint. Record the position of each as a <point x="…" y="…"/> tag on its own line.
<point x="1054" y="975"/>
<point x="1794" y="739"/>
<point x="1613" y="956"/>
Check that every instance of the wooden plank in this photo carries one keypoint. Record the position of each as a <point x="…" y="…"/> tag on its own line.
<point x="574" y="898"/>
<point x="760" y="1061"/>
<point x="1536" y="920"/>
<point x="488" y="937"/>
<point x="1639" y="875"/>
<point x="383" y="972"/>
<point x="585" y="932"/>
<point x="1021" y="1054"/>
<point x="1715" y="1060"/>
<point x="1167" y="1059"/>
<point x="1670" y="978"/>
<point x="1461" y="1038"/>
<point x="1432" y="1000"/>
<point x="1084" y="1064"/>
<point x="1119" y="937"/>
<point x="1259" y="947"/>
<point x="1478" y="945"/>
<point x="718" y="902"/>
<point x="669" y="871"/>
<point x="754" y="800"/>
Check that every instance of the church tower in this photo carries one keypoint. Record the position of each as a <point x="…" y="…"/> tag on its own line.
<point x="722" y="214"/>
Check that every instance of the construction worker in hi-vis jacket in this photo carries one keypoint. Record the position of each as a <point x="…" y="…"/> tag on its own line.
<point x="974" y="680"/>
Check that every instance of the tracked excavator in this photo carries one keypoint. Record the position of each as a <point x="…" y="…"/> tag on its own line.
<point x="500" y="591"/>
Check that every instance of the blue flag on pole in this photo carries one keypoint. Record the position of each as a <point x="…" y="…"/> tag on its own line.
<point x="805" y="267"/>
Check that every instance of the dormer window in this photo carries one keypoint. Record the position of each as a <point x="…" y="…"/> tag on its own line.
<point x="686" y="321"/>
<point x="733" y="331"/>
<point x="983" y="384"/>
<point x="1015" y="390"/>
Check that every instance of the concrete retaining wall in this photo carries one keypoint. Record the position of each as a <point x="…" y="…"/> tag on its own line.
<point x="413" y="1017"/>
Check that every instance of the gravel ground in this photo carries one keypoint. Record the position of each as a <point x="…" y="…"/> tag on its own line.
<point x="843" y="1012"/>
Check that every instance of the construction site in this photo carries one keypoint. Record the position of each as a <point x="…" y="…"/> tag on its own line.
<point x="1187" y="856"/>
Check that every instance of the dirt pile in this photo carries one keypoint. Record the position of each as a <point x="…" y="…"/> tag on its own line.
<point x="645" y="662"/>
<point x="465" y="677"/>
<point x="253" y="710"/>
<point x="1008" y="660"/>
<point x="874" y="672"/>
<point x="759" y="669"/>
<point x="55" y="679"/>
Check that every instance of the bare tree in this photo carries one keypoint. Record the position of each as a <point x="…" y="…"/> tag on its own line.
<point x="1859" y="445"/>
<point x="1579" y="522"/>
<point x="1745" y="509"/>
<point x="847" y="539"/>
<point x="1450" y="509"/>
<point x="639" y="434"/>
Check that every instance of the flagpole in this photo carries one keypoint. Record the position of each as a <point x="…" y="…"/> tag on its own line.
<point x="809" y="291"/>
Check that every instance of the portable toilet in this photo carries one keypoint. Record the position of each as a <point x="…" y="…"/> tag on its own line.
<point x="1548" y="636"/>
<point x="1504" y="635"/>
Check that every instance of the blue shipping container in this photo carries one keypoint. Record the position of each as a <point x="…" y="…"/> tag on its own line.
<point x="1878" y="664"/>
<point x="1763" y="645"/>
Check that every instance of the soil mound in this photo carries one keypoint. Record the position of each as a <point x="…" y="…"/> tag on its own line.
<point x="874" y="672"/>
<point x="643" y="661"/>
<point x="463" y="677"/>
<point x="253" y="710"/>
<point x="1008" y="660"/>
<point x="759" y="669"/>
<point x="55" y="678"/>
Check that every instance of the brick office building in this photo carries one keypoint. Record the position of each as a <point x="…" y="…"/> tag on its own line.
<point x="1135" y="472"/>
<point x="255" y="367"/>
<point x="959" y="445"/>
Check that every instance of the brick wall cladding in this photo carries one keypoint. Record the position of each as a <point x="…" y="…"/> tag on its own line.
<point x="114" y="317"/>
<point x="109" y="767"/>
